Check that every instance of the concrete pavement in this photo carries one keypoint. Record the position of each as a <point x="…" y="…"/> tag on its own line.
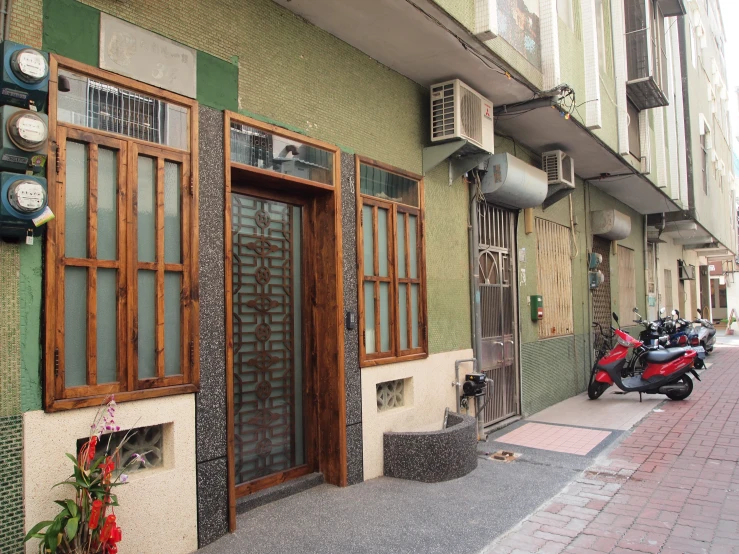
<point x="584" y="483"/>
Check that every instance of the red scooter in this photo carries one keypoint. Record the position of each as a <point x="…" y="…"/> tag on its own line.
<point x="665" y="370"/>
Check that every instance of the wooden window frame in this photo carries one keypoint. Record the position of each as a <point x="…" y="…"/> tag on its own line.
<point x="395" y="209"/>
<point x="57" y="396"/>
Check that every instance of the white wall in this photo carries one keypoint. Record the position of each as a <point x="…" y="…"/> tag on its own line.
<point x="430" y="392"/>
<point x="158" y="508"/>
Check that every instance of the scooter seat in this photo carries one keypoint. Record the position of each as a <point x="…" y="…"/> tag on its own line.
<point x="664" y="356"/>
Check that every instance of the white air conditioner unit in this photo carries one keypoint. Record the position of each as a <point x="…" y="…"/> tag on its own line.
<point x="458" y="112"/>
<point x="560" y="170"/>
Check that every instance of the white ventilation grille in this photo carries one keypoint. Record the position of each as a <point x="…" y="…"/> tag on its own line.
<point x="442" y="110"/>
<point x="559" y="167"/>
<point x="471" y="115"/>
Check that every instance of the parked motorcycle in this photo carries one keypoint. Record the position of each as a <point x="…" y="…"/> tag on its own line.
<point x="706" y="332"/>
<point x="665" y="370"/>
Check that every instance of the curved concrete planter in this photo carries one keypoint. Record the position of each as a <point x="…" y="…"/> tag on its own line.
<point x="432" y="456"/>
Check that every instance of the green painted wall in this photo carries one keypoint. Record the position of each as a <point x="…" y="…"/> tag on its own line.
<point x="30" y="287"/>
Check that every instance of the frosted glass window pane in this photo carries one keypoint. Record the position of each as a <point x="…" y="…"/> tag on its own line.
<point x="75" y="201"/>
<point x="403" y="315"/>
<point x="172" y="288"/>
<point x="368" y="238"/>
<point x="75" y="326"/>
<point x="369" y="317"/>
<point x="107" y="289"/>
<point x="146" y="209"/>
<point x="172" y="213"/>
<point x="412" y="246"/>
<point x="414" y="314"/>
<point x="147" y="324"/>
<point x="107" y="206"/>
<point x="382" y="240"/>
<point x="374" y="181"/>
<point x="297" y="301"/>
<point x="384" y="317"/>
<point x="401" y="245"/>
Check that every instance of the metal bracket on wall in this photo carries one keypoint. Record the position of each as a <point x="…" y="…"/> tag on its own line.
<point x="461" y="157"/>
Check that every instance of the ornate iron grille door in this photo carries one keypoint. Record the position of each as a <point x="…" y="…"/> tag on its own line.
<point x="267" y="338"/>
<point x="497" y="289"/>
<point x="602" y="295"/>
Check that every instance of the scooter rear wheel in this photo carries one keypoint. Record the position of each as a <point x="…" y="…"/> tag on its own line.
<point x="682" y="395"/>
<point x="596" y="389"/>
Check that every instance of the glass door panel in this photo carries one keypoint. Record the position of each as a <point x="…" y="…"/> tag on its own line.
<point x="268" y="399"/>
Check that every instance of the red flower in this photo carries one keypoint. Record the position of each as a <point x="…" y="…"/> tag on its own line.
<point x="97" y="506"/>
<point x="116" y="535"/>
<point x="91" y="447"/>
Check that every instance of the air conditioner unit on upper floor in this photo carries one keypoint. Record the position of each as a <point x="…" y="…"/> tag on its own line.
<point x="560" y="170"/>
<point x="459" y="112"/>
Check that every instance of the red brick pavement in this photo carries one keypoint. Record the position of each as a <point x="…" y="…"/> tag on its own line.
<point x="670" y="487"/>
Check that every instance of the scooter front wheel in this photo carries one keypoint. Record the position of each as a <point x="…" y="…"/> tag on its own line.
<point x="682" y="395"/>
<point x="596" y="389"/>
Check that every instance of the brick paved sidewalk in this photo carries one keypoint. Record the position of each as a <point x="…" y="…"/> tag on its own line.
<point x="671" y="487"/>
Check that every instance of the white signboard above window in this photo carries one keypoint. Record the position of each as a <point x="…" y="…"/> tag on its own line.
<point x="145" y="56"/>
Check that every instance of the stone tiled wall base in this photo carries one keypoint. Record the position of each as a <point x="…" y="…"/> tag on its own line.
<point x="552" y="370"/>
<point x="11" y="485"/>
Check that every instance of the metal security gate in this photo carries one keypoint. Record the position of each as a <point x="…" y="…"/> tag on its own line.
<point x="496" y="284"/>
<point x="602" y="295"/>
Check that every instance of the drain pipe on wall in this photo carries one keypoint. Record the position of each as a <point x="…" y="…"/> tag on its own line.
<point x="474" y="270"/>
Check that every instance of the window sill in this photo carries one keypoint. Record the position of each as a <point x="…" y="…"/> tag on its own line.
<point x="396" y="360"/>
<point x="127" y="396"/>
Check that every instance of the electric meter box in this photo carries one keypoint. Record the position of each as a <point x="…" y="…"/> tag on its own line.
<point x="25" y="76"/>
<point x="537" y="307"/>
<point x="23" y="139"/>
<point x="22" y="198"/>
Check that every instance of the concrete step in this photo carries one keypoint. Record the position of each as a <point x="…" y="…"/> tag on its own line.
<point x="283" y="490"/>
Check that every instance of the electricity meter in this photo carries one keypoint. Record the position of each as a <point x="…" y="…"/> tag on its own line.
<point x="26" y="196"/>
<point x="23" y="139"/>
<point x="29" y="65"/>
<point x="25" y="77"/>
<point x="22" y="198"/>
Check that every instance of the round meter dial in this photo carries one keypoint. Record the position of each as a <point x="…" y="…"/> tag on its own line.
<point x="27" y="130"/>
<point x="27" y="196"/>
<point x="29" y="65"/>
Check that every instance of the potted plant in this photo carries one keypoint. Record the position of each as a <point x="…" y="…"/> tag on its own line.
<point x="87" y="523"/>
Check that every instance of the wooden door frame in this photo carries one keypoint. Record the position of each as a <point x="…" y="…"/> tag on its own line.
<point x="323" y="301"/>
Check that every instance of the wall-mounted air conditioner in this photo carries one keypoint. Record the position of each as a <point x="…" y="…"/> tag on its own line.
<point x="459" y="112"/>
<point x="560" y="170"/>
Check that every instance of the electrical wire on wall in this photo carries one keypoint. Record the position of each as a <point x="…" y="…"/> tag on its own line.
<point x="573" y="234"/>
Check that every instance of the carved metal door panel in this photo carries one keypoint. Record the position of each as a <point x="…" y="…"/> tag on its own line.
<point x="602" y="295"/>
<point x="267" y="337"/>
<point x="497" y="289"/>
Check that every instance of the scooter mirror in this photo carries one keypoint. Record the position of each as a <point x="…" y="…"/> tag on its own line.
<point x="674" y="312"/>
<point x="700" y="313"/>
<point x="615" y="317"/>
<point x="635" y="310"/>
<point x="662" y="311"/>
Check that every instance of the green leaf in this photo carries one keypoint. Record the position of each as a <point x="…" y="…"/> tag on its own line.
<point x="72" y="507"/>
<point x="71" y="527"/>
<point x="73" y="458"/>
<point x="34" y="532"/>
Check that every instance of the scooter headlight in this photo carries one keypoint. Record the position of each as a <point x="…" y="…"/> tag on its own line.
<point x="623" y="342"/>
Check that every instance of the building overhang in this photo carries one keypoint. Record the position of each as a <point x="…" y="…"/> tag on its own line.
<point x="672" y="8"/>
<point x="422" y="42"/>
<point x="682" y="230"/>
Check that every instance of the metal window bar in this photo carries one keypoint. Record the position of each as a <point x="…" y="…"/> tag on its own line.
<point x="124" y="112"/>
